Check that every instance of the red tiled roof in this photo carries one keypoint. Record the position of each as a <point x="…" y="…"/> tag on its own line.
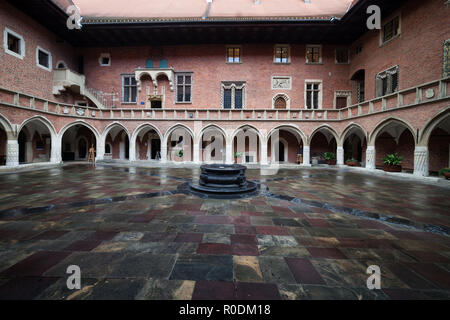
<point x="220" y="9"/>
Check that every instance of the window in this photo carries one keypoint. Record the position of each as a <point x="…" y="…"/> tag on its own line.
<point x="391" y="29"/>
<point x="342" y="99"/>
<point x="233" y="55"/>
<point x="358" y="49"/>
<point x="281" y="54"/>
<point x="314" y="54"/>
<point x="184" y="88"/>
<point x="233" y="95"/>
<point x="386" y="82"/>
<point x="13" y="43"/>
<point x="129" y="89"/>
<point x="446" y="60"/>
<point x="313" y="94"/>
<point x="104" y="60"/>
<point x="43" y="59"/>
<point x="342" y="56"/>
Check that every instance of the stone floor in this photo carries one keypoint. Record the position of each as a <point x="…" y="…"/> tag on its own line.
<point x="311" y="235"/>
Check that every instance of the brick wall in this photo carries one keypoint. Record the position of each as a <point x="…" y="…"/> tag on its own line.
<point x="24" y="75"/>
<point x="417" y="51"/>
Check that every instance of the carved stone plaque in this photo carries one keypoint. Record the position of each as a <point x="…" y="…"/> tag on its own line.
<point x="281" y="82"/>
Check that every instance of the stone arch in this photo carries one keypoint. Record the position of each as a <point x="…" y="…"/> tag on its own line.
<point x="290" y="127"/>
<point x="61" y="65"/>
<point x="324" y="127"/>
<point x="7" y="126"/>
<point x="172" y="151"/>
<point x="353" y="141"/>
<point x="80" y="122"/>
<point x="42" y="120"/>
<point x="384" y="123"/>
<point x="70" y="151"/>
<point x="393" y="135"/>
<point x="323" y="139"/>
<point x="286" y="133"/>
<point x="110" y="126"/>
<point x="433" y="150"/>
<point x="430" y="125"/>
<point x="36" y="147"/>
<point x="254" y="151"/>
<point x="350" y="129"/>
<point x="205" y="145"/>
<point x="120" y="150"/>
<point x="140" y="149"/>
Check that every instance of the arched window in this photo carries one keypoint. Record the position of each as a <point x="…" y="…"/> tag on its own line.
<point x="61" y="65"/>
<point x="149" y="63"/>
<point x="280" y="103"/>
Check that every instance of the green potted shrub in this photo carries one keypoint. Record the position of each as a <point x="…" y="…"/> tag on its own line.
<point x="392" y="163"/>
<point x="236" y="156"/>
<point x="180" y="154"/>
<point x="445" y="172"/>
<point x="353" y="163"/>
<point x="330" y="158"/>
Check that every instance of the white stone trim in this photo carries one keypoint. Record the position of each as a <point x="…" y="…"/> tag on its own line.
<point x="320" y="53"/>
<point x="104" y="55"/>
<point x="233" y="86"/>
<point x="63" y="62"/>
<point x="231" y="46"/>
<point x="340" y="94"/>
<point x="50" y="63"/>
<point x="275" y="50"/>
<point x="281" y="83"/>
<point x="385" y="22"/>
<point x="285" y="97"/>
<point x="320" y="98"/>
<point x="5" y="43"/>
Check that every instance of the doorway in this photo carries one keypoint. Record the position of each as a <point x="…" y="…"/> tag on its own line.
<point x="156" y="148"/>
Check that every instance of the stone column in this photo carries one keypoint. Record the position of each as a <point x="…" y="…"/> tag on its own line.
<point x="55" y="155"/>
<point x="196" y="150"/>
<point x="306" y="156"/>
<point x="132" y="155"/>
<point x="29" y="151"/>
<point x="100" y="150"/>
<point x="264" y="154"/>
<point x="421" y="160"/>
<point x="229" y="152"/>
<point x="164" y="151"/>
<point x="340" y="156"/>
<point x="370" y="157"/>
<point x="12" y="153"/>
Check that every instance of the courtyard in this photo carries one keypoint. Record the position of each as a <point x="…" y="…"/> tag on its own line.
<point x="311" y="233"/>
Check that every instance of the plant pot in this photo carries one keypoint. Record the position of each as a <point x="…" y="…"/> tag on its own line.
<point x="353" y="164"/>
<point x="331" y="162"/>
<point x="392" y="168"/>
<point x="446" y="175"/>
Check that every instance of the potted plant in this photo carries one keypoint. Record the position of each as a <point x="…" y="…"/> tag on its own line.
<point x="353" y="163"/>
<point x="445" y="172"/>
<point x="180" y="154"/>
<point x="237" y="155"/>
<point x="392" y="163"/>
<point x="330" y="158"/>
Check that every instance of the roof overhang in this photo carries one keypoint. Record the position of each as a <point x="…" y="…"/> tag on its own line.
<point x="97" y="32"/>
